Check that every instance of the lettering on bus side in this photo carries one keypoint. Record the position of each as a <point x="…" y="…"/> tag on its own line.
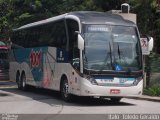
<point x="35" y="58"/>
<point x="62" y="56"/>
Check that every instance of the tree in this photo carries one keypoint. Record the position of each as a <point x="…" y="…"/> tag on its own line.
<point x="15" y="13"/>
<point x="5" y="10"/>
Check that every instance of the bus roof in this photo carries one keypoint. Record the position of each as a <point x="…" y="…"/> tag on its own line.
<point x="88" y="17"/>
<point x="92" y="17"/>
<point x="52" y="19"/>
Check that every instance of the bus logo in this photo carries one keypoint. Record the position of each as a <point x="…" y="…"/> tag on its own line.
<point x="35" y="58"/>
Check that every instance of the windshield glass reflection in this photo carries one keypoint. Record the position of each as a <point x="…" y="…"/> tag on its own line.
<point x="111" y="48"/>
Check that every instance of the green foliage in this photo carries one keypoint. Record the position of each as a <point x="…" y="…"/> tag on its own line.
<point x="145" y="10"/>
<point x="89" y="5"/>
<point x="15" y="13"/>
<point x="25" y="16"/>
<point x="20" y="12"/>
<point x="154" y="62"/>
<point x="153" y="90"/>
<point x="5" y="26"/>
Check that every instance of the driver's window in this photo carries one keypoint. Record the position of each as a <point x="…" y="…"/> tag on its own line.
<point x="72" y="26"/>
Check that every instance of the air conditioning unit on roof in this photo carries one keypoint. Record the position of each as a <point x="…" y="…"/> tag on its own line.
<point x="125" y="8"/>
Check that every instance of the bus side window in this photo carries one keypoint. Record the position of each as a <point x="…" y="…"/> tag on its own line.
<point x="17" y="40"/>
<point x="72" y="26"/>
<point x="54" y="35"/>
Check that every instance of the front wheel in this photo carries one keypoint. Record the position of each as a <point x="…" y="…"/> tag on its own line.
<point x="66" y="96"/>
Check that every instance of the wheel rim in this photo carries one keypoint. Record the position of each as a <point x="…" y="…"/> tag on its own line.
<point x="65" y="89"/>
<point x="18" y="81"/>
<point x="23" y="81"/>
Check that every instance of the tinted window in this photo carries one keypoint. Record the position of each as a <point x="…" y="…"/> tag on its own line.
<point x="50" y="34"/>
<point x="73" y="49"/>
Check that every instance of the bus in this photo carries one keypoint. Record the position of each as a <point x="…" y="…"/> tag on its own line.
<point x="4" y="63"/>
<point x="82" y="53"/>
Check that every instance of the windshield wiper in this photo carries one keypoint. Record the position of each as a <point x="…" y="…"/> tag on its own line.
<point x="85" y="58"/>
<point x="121" y="56"/>
<point x="111" y="56"/>
<point x="119" y="52"/>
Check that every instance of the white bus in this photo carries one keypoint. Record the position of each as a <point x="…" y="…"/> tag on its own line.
<point x="79" y="53"/>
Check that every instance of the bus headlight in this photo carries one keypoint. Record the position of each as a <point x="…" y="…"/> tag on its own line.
<point x="93" y="81"/>
<point x="137" y="80"/>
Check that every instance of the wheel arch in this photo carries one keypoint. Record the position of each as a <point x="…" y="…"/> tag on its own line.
<point x="18" y="74"/>
<point x="22" y="73"/>
<point x="63" y="77"/>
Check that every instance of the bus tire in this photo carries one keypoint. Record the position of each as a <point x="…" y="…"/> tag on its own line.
<point x="116" y="99"/>
<point x="18" y="80"/>
<point x="23" y="82"/>
<point x="66" y="96"/>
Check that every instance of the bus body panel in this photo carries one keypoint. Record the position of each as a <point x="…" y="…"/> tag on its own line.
<point x="48" y="72"/>
<point x="45" y="66"/>
<point x="83" y="87"/>
<point x="88" y="89"/>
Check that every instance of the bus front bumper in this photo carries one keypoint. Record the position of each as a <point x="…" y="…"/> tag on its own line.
<point x="87" y="89"/>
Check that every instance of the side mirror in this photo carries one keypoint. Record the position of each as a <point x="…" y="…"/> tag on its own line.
<point x="80" y="42"/>
<point x="151" y="43"/>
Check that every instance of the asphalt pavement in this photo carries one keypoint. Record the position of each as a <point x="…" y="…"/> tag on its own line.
<point x="11" y="84"/>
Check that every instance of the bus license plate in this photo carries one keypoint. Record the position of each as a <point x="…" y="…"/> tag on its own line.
<point x="114" y="91"/>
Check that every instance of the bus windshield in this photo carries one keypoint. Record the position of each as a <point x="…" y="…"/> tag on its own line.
<point x="111" y="48"/>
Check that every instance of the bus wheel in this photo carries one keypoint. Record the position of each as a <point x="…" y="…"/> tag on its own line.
<point x="116" y="99"/>
<point x="66" y="96"/>
<point x="18" y="80"/>
<point x="23" y="82"/>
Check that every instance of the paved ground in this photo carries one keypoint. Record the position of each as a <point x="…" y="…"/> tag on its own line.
<point x="39" y="104"/>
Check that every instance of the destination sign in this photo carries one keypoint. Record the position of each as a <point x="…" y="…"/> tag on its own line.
<point x="97" y="29"/>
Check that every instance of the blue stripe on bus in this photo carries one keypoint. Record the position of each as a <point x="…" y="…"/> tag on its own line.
<point x="24" y="56"/>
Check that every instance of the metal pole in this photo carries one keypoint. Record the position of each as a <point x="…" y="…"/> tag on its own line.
<point x="144" y="73"/>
